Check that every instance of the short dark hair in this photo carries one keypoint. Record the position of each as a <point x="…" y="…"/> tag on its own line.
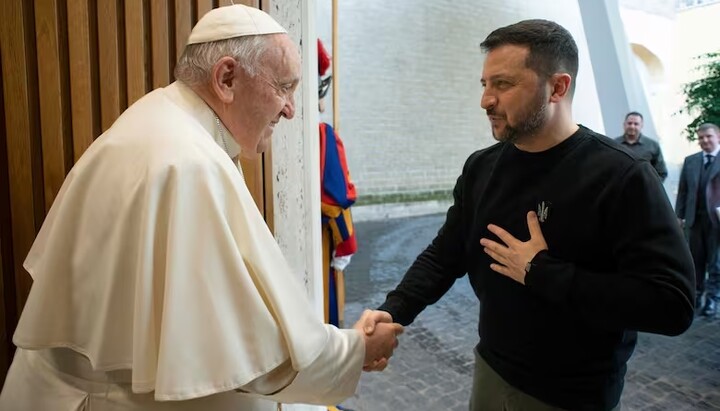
<point x="634" y="113"/>
<point x="552" y="48"/>
<point x="707" y="126"/>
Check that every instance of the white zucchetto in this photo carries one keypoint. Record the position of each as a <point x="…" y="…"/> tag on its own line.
<point x="233" y="21"/>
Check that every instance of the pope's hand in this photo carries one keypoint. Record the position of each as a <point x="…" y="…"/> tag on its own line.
<point x="380" y="335"/>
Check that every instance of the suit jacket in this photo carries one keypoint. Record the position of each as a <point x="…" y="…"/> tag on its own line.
<point x="686" y="203"/>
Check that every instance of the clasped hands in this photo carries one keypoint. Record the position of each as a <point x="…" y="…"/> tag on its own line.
<point x="511" y="256"/>
<point x="380" y="334"/>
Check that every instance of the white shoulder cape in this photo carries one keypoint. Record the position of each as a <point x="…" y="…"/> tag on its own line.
<point x="154" y="257"/>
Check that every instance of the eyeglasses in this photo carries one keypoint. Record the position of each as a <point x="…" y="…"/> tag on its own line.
<point x="324" y="86"/>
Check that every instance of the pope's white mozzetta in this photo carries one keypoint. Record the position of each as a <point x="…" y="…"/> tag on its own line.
<point x="157" y="284"/>
<point x="190" y="291"/>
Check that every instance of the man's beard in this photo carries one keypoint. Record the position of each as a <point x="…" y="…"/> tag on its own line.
<point x="533" y="120"/>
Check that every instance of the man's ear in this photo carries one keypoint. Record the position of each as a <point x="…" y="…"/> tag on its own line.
<point x="224" y="78"/>
<point x="560" y="83"/>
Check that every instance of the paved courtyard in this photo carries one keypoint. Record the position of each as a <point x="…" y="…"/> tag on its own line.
<point x="432" y="368"/>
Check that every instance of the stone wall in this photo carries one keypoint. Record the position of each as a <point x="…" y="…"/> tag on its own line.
<point x="410" y="86"/>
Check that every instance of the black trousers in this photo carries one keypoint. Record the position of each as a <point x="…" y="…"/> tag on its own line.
<point x="703" y="241"/>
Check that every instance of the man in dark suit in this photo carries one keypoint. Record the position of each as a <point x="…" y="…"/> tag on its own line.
<point x="697" y="206"/>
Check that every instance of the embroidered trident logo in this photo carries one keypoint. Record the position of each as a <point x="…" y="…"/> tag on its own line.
<point x="542" y="210"/>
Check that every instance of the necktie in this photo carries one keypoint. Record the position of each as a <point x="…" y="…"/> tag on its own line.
<point x="708" y="160"/>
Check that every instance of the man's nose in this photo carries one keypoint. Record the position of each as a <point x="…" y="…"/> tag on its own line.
<point x="487" y="101"/>
<point x="288" y="110"/>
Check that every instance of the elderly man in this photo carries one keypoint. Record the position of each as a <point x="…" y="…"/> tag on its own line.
<point x="157" y="285"/>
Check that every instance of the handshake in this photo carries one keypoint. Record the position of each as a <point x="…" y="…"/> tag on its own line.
<point x="380" y="334"/>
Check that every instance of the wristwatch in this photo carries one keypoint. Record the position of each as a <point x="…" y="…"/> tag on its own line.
<point x="528" y="266"/>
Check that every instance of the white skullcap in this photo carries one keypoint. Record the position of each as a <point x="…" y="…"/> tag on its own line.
<point x="233" y="21"/>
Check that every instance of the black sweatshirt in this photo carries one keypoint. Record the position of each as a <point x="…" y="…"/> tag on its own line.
<point x="617" y="263"/>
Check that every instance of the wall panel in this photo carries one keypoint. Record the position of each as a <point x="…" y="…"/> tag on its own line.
<point x="84" y="73"/>
<point x="137" y="49"/>
<point x="22" y="132"/>
<point x="53" y="82"/>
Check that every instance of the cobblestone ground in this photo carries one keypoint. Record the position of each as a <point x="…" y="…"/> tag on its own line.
<point x="432" y="369"/>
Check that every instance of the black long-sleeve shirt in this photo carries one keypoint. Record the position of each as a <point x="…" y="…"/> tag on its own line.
<point x="617" y="263"/>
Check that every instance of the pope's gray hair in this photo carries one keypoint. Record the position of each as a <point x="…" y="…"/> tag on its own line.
<point x="195" y="65"/>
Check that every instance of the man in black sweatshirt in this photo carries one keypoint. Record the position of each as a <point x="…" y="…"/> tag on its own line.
<point x="569" y="241"/>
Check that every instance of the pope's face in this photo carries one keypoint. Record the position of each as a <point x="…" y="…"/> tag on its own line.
<point x="266" y="97"/>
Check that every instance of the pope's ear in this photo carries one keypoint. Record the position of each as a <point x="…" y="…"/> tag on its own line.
<point x="223" y="78"/>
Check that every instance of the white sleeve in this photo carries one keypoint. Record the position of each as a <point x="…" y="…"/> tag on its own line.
<point x="330" y="379"/>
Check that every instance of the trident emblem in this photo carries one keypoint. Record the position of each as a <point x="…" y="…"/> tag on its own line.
<point x="542" y="210"/>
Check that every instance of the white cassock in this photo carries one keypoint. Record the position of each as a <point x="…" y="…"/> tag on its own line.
<point x="158" y="286"/>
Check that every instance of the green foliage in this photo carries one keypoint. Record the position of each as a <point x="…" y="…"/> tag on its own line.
<point x="702" y="97"/>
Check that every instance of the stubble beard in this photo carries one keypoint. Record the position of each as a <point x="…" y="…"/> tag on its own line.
<point x="529" y="124"/>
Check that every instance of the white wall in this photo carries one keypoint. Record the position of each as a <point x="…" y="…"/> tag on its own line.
<point x="410" y="84"/>
<point x="296" y="164"/>
<point x="697" y="34"/>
